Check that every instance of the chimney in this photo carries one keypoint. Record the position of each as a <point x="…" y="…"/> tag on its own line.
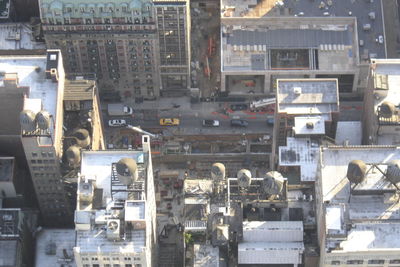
<point x="10" y="80"/>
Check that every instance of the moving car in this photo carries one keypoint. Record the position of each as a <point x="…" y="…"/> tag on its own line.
<point x="116" y="123"/>
<point x="235" y="107"/>
<point x="239" y="123"/>
<point x="210" y="123"/>
<point x="169" y="122"/>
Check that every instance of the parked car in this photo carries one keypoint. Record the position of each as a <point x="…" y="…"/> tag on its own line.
<point x="210" y="123"/>
<point x="235" y="107"/>
<point x="239" y="123"/>
<point x="116" y="123"/>
<point x="169" y="122"/>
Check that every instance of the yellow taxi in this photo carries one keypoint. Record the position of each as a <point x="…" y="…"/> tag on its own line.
<point x="169" y="122"/>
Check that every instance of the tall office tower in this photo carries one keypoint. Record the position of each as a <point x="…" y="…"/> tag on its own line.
<point x="38" y="107"/>
<point x="137" y="48"/>
<point x="115" y="217"/>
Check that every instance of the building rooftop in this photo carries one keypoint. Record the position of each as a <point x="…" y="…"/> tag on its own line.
<point x="97" y="165"/>
<point x="79" y="89"/>
<point x="386" y="83"/>
<point x="272" y="231"/>
<point x="205" y="255"/>
<point x="284" y="43"/>
<point x="17" y="36"/>
<point x="371" y="207"/>
<point x="310" y="125"/>
<point x="113" y="219"/>
<point x="270" y="252"/>
<point x="54" y="247"/>
<point x="302" y="152"/>
<point x="6" y="169"/>
<point x="307" y="96"/>
<point x="348" y="131"/>
<point x="42" y="92"/>
<point x="365" y="12"/>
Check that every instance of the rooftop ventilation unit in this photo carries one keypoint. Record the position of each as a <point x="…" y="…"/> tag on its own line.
<point x="82" y="137"/>
<point x="393" y="172"/>
<point x="73" y="155"/>
<point x="218" y="171"/>
<point x="127" y="171"/>
<point x="27" y="120"/>
<point x="310" y="125"/>
<point x="356" y="171"/>
<point x="297" y="90"/>
<point x="273" y="183"/>
<point x="113" y="230"/>
<point x="43" y="120"/>
<point x="387" y="109"/>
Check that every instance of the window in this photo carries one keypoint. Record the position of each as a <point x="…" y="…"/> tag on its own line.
<point x="33" y="161"/>
<point x="394" y="261"/>
<point x="34" y="154"/>
<point x="335" y="262"/>
<point x="94" y="258"/>
<point x="376" y="261"/>
<point x="44" y="154"/>
<point x="51" y="154"/>
<point x="96" y="265"/>
<point x="128" y="265"/>
<point x="354" y="262"/>
<point x="86" y="265"/>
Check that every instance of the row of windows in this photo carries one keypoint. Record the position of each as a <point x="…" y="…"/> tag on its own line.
<point x="43" y="154"/>
<point x="45" y="161"/>
<point x="359" y="262"/>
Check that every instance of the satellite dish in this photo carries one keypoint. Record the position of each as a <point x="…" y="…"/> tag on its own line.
<point x="43" y="120"/>
<point x="393" y="171"/>
<point x="244" y="178"/>
<point x="127" y="171"/>
<point x="387" y="109"/>
<point x="82" y="137"/>
<point x="356" y="171"/>
<point x="273" y="183"/>
<point x="73" y="155"/>
<point x="218" y="171"/>
<point x="27" y="119"/>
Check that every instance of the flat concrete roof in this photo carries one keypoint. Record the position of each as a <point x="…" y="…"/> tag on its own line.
<point x="248" y="45"/>
<point x="371" y="207"/>
<point x="302" y="152"/>
<point x="50" y="246"/>
<point x="307" y="96"/>
<point x="306" y="9"/>
<point x="386" y="81"/>
<point x="348" y="131"/>
<point x="16" y="36"/>
<point x="42" y="92"/>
